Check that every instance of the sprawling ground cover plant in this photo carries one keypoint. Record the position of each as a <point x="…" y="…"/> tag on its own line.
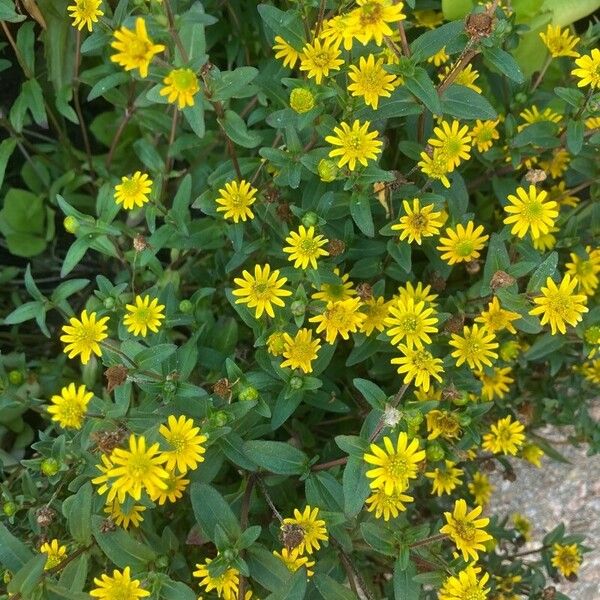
<point x="284" y="284"/>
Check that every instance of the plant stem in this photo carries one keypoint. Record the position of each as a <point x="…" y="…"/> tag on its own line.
<point x="129" y="110"/>
<point x="527" y="552"/>
<point x="395" y="401"/>
<point x="267" y="496"/>
<point x="541" y="74"/>
<point x="429" y="540"/>
<point x="331" y="463"/>
<point x="77" y="104"/>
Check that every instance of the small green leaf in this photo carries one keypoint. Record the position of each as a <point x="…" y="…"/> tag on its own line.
<point x="77" y="509"/>
<point x="210" y="508"/>
<point x="13" y="553"/>
<point x="356" y="486"/>
<point x="330" y="589"/>
<point x="464" y="103"/>
<point x="541" y="274"/>
<point x="360" y="209"/>
<point x="277" y="457"/>
<point x="371" y="392"/>
<point x="505" y="63"/>
<point x="422" y="87"/>
<point x="431" y="42"/>
<point x="405" y="587"/>
<point x="575" y="130"/>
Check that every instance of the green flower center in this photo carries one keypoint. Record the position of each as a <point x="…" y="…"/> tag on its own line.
<point x="465" y="530"/>
<point x="371" y="13"/>
<point x="465" y="248"/>
<point x="184" y="80"/>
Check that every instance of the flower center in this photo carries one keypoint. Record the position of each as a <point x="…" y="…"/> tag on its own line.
<point x="465" y="530"/>
<point x="143" y="315"/>
<point x="473" y="593"/>
<point x="184" y="80"/>
<point x="418" y="222"/>
<point x="398" y="466"/>
<point x="86" y="8"/>
<point x="309" y="246"/>
<point x="139" y="49"/>
<point x="354" y="142"/>
<point x="533" y="211"/>
<point x="559" y="305"/>
<point x="371" y="13"/>
<point x="421" y="360"/>
<point x="131" y="187"/>
<point x="322" y="59"/>
<point x="410" y="323"/>
<point x="86" y="334"/>
<point x="465" y="247"/>
<point x="139" y="466"/>
<point x="178" y="443"/>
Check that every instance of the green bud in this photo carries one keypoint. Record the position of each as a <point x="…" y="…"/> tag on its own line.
<point x="462" y="399"/>
<point x="406" y="67"/>
<point x="15" y="377"/>
<point x="71" y="224"/>
<point x="465" y="420"/>
<point x="109" y="303"/>
<point x="298" y="308"/>
<point x="434" y="452"/>
<point x="327" y="170"/>
<point x="248" y="394"/>
<point x="9" y="509"/>
<point x="220" y="419"/>
<point x="185" y="306"/>
<point x="169" y="387"/>
<point x="302" y="100"/>
<point x="50" y="467"/>
<point x="228" y="555"/>
<point x="162" y="562"/>
<point x="161" y="20"/>
<point x="520" y="98"/>
<point x="296" y="382"/>
<point x="310" y="219"/>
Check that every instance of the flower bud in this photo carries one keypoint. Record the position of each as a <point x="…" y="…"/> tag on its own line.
<point x="228" y="555"/>
<point x="71" y="224"/>
<point x="296" y="382"/>
<point x="9" y="508"/>
<point x="302" y="100"/>
<point x="169" y="387"/>
<point x="327" y="170"/>
<point x="162" y="562"/>
<point x="15" y="377"/>
<point x="434" y="452"/>
<point x="298" y="308"/>
<point x="219" y="419"/>
<point x="185" y="306"/>
<point x="248" y="394"/>
<point x="50" y="466"/>
<point x="276" y="343"/>
<point x="310" y="218"/>
<point x="109" y="303"/>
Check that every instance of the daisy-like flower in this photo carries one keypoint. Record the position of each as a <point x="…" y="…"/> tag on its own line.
<point x="104" y="481"/>
<point x="376" y="311"/>
<point x="442" y="423"/>
<point x="562" y="195"/>
<point x="82" y="336"/>
<point x="591" y="371"/>
<point x="465" y="586"/>
<point x="371" y="81"/>
<point x="276" y="343"/>
<point x="300" y="351"/>
<point x="429" y="19"/>
<point x="559" y="305"/>
<point x="560" y="42"/>
<point x="533" y="115"/>
<point x="496" y="318"/>
<point x="419" y="366"/>
<point x="393" y="465"/>
<point x="144" y="315"/>
<point x="133" y="191"/>
<point x="585" y="270"/>
<point x="496" y="384"/>
<point x="135" y="50"/>
<point x="466" y="530"/>
<point x="262" y="290"/>
<point x="475" y="347"/>
<point x="312" y="528"/>
<point x="411" y="323"/>
<point x="467" y="77"/>
<point x="386" y="506"/>
<point x="136" y="469"/>
<point x="235" y="200"/>
<point x="419" y="221"/>
<point x="118" y="587"/>
<point x="287" y="53"/>
<point x="453" y="142"/>
<point x="480" y="488"/>
<point x="356" y="144"/>
<point x="305" y="247"/>
<point x="339" y="318"/>
<point x="588" y="69"/>
<point x="181" y="85"/>
<point x="371" y="19"/>
<point x="84" y="13"/>
<point x="592" y="338"/>
<point x="445" y="479"/>
<point x="558" y="164"/>
<point x="334" y="292"/>
<point x="484" y="134"/>
<point x="532" y="454"/>
<point x="319" y="58"/>
<point x="176" y="485"/>
<point x="545" y="241"/>
<point x="125" y="517"/>
<point x="55" y="553"/>
<point x="522" y="525"/>
<point x="418" y="292"/>
<point x="462" y="244"/>
<point x="336" y="29"/>
<point x="185" y="442"/>
<point x="68" y="408"/>
<point x="226" y="584"/>
<point x="439" y="58"/>
<point x="530" y="211"/>
<point x="293" y="560"/>
<point x="505" y="437"/>
<point x="592" y="123"/>
<point x="435" y="166"/>
<point x="566" y="558"/>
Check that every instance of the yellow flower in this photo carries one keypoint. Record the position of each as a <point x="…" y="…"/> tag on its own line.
<point x="442" y="423"/>
<point x="261" y="290"/>
<point x="435" y="166"/>
<point x="339" y="318"/>
<point x="445" y="479"/>
<point x="55" y="553"/>
<point x="496" y="318"/>
<point x="533" y="115"/>
<point x="394" y="466"/>
<point x="302" y="100"/>
<point x="118" y="587"/>
<point x="467" y="77"/>
<point x="588" y="69"/>
<point x="336" y="30"/>
<point x="286" y="52"/>
<point x="313" y="529"/>
<point x="592" y="123"/>
<point x="376" y="310"/>
<point x="465" y="586"/>
<point x="545" y="241"/>
<point x="431" y="395"/>
<point x="585" y="270"/>
<point x="235" y="200"/>
<point x="133" y="191"/>
<point x="475" y="347"/>
<point x="530" y="211"/>
<point x="496" y="384"/>
<point x="481" y="488"/>
<point x="180" y="87"/>
<point x="453" y="142"/>
<point x="466" y="530"/>
<point x="484" y="134"/>
<point x="84" y="13"/>
<point x="371" y="81"/>
<point x="559" y="42"/>
<point x="386" y="505"/>
<point x="558" y="164"/>
<point x="462" y="244"/>
<point x="144" y="315"/>
<point x="305" y="247"/>
<point x="418" y="366"/>
<point x="592" y="338"/>
<point x="532" y="454"/>
<point x="419" y="293"/>
<point x="334" y="292"/>
<point x="591" y="371"/>
<point x="103" y="480"/>
<point x="300" y="351"/>
<point x="68" y="408"/>
<point x="355" y="143"/>
<point x="559" y="305"/>
<point x="123" y="517"/>
<point x="226" y="584"/>
<point x="419" y="222"/>
<point x="276" y="343"/>
<point x="504" y="588"/>
<point x="83" y="336"/>
<point x="428" y="18"/>
<point x="505" y="437"/>
<point x="136" y="469"/>
<point x="439" y="58"/>
<point x="411" y="323"/>
<point x="176" y="485"/>
<point x="319" y="58"/>
<point x="563" y="196"/>
<point x="293" y="560"/>
<point x="370" y="20"/>
<point x="185" y="444"/>
<point x="135" y="50"/>
<point x="522" y="525"/>
<point x="566" y="558"/>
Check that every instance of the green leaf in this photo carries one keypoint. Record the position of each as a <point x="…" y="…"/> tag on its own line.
<point x="371" y="392"/>
<point x="405" y="587"/>
<point x="77" y="509"/>
<point x="28" y="577"/>
<point x="236" y="129"/>
<point x="192" y="38"/>
<point x="543" y="346"/>
<point x="360" y="209"/>
<point x="74" y="575"/>
<point x="330" y="589"/>
<point x="210" y="508"/>
<point x="13" y="553"/>
<point x="422" y="87"/>
<point x="107" y="83"/>
<point x="456" y="9"/>
<point x="176" y="590"/>
<point x="231" y="84"/>
<point x="379" y="538"/>
<point x="294" y="589"/>
<point x="68" y="288"/>
<point x="194" y="115"/>
<point x="464" y="103"/>
<point x="400" y="104"/>
<point x="431" y="42"/>
<point x="23" y="222"/>
<point x="575" y="130"/>
<point x="497" y="260"/>
<point x="537" y="134"/>
<point x="277" y="457"/>
<point x="285" y="24"/>
<point x="505" y="63"/>
<point x="541" y="274"/>
<point x="267" y="570"/>
<point x="74" y="255"/>
<point x="8" y="13"/>
<point x="25" y="312"/>
<point x="401" y="252"/>
<point x="6" y="149"/>
<point x="355" y="485"/>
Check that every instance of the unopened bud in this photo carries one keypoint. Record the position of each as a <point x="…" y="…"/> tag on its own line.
<point x="302" y="100"/>
<point x="298" y="308"/>
<point x="71" y="224"/>
<point x="296" y="382"/>
<point x="185" y="306"/>
<point x="50" y="467"/>
<point x="15" y="377"/>
<point x="327" y="170"/>
<point x="9" y="508"/>
<point x="248" y="394"/>
<point x="310" y="219"/>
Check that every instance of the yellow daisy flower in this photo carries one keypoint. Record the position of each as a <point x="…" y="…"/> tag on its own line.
<point x="176" y="485"/>
<point x="592" y="338"/>
<point x="305" y="247"/>
<point x="496" y="318"/>
<point x="135" y="50"/>
<point x="120" y="586"/>
<point x="558" y="164"/>
<point x="339" y="318"/>
<point x="428" y="18"/>
<point x="559" y="42"/>
<point x="418" y="366"/>
<point x="522" y="525"/>
<point x="125" y="517"/>
<point x="566" y="558"/>
<point x="144" y="315"/>
<point x="334" y="292"/>
<point x="293" y="560"/>
<point x="180" y="87"/>
<point x="235" y="200"/>
<point x="419" y="293"/>
<point x="55" y="553"/>
<point x="445" y="479"/>
<point x="386" y="505"/>
<point x="336" y="30"/>
<point x="585" y="270"/>
<point x="371" y="81"/>
<point x="465" y="586"/>
<point x="261" y="290"/>
<point x="591" y="371"/>
<point x="419" y="221"/>
<point x="356" y="144"/>
<point x="84" y="13"/>
<point x="530" y="211"/>
<point x="411" y="323"/>
<point x="133" y="191"/>
<point x="68" y="408"/>
<point x="435" y="166"/>
<point x="592" y="123"/>
<point x="495" y="385"/>
<point x="475" y="347"/>
<point x="462" y="244"/>
<point x="439" y="58"/>
<point x="370" y="20"/>
<point x="533" y="115"/>
<point x="545" y="241"/>
<point x="453" y="142"/>
<point x="481" y="488"/>
<point x="319" y="58"/>
<point x="376" y="311"/>
<point x="83" y="336"/>
<point x="588" y="69"/>
<point x="532" y="454"/>
<point x="505" y="437"/>
<point x="286" y="52"/>
<point x="467" y="77"/>
<point x="442" y="423"/>
<point x="484" y="133"/>
<point x="300" y="351"/>
<point x="313" y="529"/>
<point x="185" y="444"/>
<point x="562" y="195"/>
<point x="226" y="584"/>
<point x="276" y="343"/>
